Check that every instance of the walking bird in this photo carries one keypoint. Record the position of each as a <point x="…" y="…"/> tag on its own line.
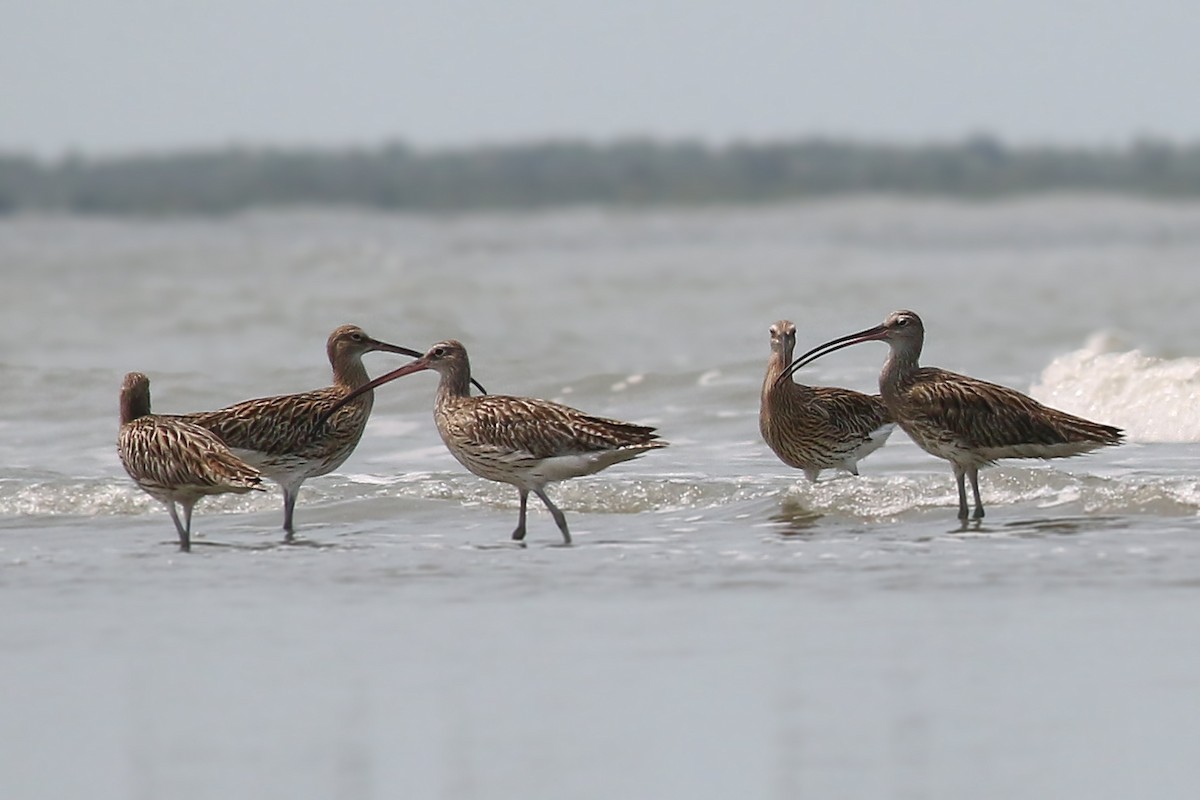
<point x="522" y="441"/>
<point x="175" y="461"/>
<point x="813" y="428"/>
<point x="969" y="422"/>
<point x="281" y="436"/>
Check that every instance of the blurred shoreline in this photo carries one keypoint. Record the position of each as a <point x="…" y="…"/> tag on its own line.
<point x="563" y="173"/>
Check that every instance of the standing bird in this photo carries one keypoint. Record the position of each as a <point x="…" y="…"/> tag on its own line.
<point x="174" y="461"/>
<point x="816" y="427"/>
<point x="969" y="422"/>
<point x="281" y="435"/>
<point x="519" y="440"/>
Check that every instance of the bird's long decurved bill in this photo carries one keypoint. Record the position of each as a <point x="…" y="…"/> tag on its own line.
<point x="421" y="363"/>
<point x="404" y="351"/>
<point x="869" y="335"/>
<point x="395" y="348"/>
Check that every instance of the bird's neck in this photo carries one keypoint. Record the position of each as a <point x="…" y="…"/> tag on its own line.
<point x="779" y="361"/>
<point x="349" y="372"/>
<point x="776" y="364"/>
<point x="134" y="406"/>
<point x="454" y="384"/>
<point x="900" y="365"/>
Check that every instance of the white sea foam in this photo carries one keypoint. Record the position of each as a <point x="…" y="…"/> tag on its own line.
<point x="867" y="498"/>
<point x="1153" y="399"/>
<point x="882" y="498"/>
<point x="102" y="497"/>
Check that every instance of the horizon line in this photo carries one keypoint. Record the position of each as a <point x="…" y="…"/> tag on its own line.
<point x="714" y="144"/>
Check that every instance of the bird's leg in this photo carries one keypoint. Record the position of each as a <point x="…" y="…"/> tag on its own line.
<point x="289" y="507"/>
<point x="185" y="538"/>
<point x="960" y="475"/>
<point x="519" y="533"/>
<point x="558" y="515"/>
<point x="973" y="473"/>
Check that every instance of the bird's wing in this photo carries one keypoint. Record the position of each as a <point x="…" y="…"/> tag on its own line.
<point x="271" y="424"/>
<point x="983" y="415"/>
<point x="849" y="412"/>
<point x="539" y="427"/>
<point x="173" y="453"/>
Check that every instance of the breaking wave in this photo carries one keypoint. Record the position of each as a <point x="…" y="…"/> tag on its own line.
<point x="1153" y="399"/>
<point x="102" y="497"/>
<point x="866" y="499"/>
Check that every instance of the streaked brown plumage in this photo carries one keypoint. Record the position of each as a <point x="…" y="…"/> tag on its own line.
<point x="813" y="428"/>
<point x="969" y="422"/>
<point x="519" y="440"/>
<point x="279" y="435"/>
<point x="175" y="461"/>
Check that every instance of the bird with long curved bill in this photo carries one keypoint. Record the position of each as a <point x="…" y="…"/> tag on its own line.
<point x="969" y="422"/>
<point x="522" y="441"/>
<point x="285" y="436"/>
<point x="813" y="428"/>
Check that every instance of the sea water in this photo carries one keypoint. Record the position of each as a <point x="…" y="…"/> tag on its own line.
<point x="721" y="627"/>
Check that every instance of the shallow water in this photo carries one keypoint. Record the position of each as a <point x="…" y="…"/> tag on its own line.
<point x="721" y="628"/>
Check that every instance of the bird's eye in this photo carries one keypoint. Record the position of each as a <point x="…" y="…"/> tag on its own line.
<point x="439" y="352"/>
<point x="900" y="323"/>
<point x="358" y="337"/>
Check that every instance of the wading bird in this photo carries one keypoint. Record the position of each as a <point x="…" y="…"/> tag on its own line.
<point x="174" y="461"/>
<point x="813" y="428"/>
<point x="969" y="422"/>
<point x="281" y="435"/>
<point x="522" y="441"/>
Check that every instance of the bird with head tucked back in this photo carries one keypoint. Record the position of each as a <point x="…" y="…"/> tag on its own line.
<point x="175" y="461"/>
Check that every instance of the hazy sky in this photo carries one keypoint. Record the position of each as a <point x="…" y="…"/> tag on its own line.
<point x="119" y="75"/>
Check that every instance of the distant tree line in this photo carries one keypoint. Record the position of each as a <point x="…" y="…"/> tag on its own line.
<point x="631" y="172"/>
